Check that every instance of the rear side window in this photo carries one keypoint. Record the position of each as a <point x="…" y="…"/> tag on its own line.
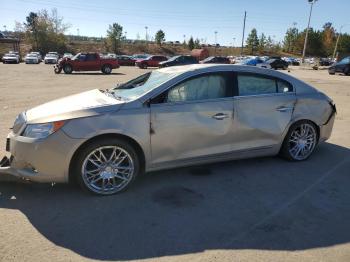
<point x="259" y="85"/>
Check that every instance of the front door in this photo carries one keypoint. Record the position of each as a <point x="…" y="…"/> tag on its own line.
<point x="193" y="119"/>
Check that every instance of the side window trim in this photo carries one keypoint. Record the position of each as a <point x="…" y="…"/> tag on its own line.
<point x="236" y="89"/>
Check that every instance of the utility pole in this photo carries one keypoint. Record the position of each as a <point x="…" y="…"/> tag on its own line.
<point x="336" y="43"/>
<point x="146" y="27"/>
<point x="245" y="17"/>
<point x="216" y="40"/>
<point x="307" y="30"/>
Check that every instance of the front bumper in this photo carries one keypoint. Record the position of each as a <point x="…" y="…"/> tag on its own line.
<point x="46" y="160"/>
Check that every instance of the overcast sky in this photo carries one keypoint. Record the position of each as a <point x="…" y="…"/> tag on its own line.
<point x="184" y="17"/>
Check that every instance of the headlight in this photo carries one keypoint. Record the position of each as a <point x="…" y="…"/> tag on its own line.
<point x="42" y="130"/>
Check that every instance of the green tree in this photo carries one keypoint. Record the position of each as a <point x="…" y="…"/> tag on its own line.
<point x="160" y="37"/>
<point x="197" y="43"/>
<point x="31" y="25"/>
<point x="290" y="39"/>
<point x="115" y="36"/>
<point x="46" y="31"/>
<point x="252" y="41"/>
<point x="190" y="43"/>
<point x="262" y="43"/>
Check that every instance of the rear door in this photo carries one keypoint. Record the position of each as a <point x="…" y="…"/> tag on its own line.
<point x="193" y="119"/>
<point x="263" y="110"/>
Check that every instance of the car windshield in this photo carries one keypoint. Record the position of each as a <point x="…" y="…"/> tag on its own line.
<point x="11" y="55"/>
<point x="174" y="58"/>
<point x="270" y="61"/>
<point x="208" y="59"/>
<point x="75" y="57"/>
<point x="141" y="85"/>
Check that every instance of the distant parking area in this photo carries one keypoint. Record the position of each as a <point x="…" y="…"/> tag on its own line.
<point x="251" y="210"/>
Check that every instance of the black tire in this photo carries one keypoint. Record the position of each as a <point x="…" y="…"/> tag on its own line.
<point x="106" y="69"/>
<point x="77" y="166"/>
<point x="347" y="70"/>
<point x="67" y="69"/>
<point x="284" y="67"/>
<point x="331" y="73"/>
<point x="286" y="146"/>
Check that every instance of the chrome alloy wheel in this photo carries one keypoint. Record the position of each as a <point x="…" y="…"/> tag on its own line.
<point x="302" y="141"/>
<point x="107" y="170"/>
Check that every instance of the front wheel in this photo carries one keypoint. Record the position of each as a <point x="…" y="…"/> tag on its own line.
<point x="107" y="166"/>
<point x="67" y="69"/>
<point x="300" y="141"/>
<point x="107" y="69"/>
<point x="347" y="71"/>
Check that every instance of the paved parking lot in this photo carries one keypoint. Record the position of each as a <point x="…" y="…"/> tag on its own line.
<point x="262" y="209"/>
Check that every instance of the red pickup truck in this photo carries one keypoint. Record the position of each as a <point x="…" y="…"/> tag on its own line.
<point x="151" y="61"/>
<point x="86" y="62"/>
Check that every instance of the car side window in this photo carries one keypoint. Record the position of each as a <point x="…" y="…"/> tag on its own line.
<point x="82" y="58"/>
<point x="204" y="87"/>
<point x="284" y="87"/>
<point x="91" y="57"/>
<point x="255" y="85"/>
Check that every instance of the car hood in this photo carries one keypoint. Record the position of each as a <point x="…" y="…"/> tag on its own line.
<point x="85" y="104"/>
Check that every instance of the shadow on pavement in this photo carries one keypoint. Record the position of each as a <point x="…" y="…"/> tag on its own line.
<point x="265" y="204"/>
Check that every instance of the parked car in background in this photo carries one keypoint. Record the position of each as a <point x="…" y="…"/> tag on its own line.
<point x="126" y="60"/>
<point x="252" y="61"/>
<point x="179" y="60"/>
<point x="343" y="66"/>
<point x="31" y="59"/>
<point x="140" y="56"/>
<point x="216" y="60"/>
<point x="11" y="58"/>
<point x="68" y="55"/>
<point x="50" y="58"/>
<point x="38" y="55"/>
<point x="325" y="61"/>
<point x="274" y="63"/>
<point x="166" y="118"/>
<point x="151" y="61"/>
<point x="86" y="62"/>
<point x="291" y="61"/>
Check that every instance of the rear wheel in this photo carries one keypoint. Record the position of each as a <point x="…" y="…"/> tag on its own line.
<point x="107" y="69"/>
<point x="106" y="167"/>
<point x="67" y="69"/>
<point x="347" y="71"/>
<point x="300" y="141"/>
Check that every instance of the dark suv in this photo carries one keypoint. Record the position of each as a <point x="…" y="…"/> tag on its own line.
<point x="179" y="60"/>
<point x="343" y="66"/>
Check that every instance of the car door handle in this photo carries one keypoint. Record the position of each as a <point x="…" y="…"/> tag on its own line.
<point x="284" y="109"/>
<point x="220" y="116"/>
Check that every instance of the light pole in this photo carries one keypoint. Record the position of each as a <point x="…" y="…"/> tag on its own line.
<point x="233" y="43"/>
<point x="216" y="40"/>
<point x="307" y="30"/>
<point x="146" y="27"/>
<point x="336" y="43"/>
<point x="184" y="38"/>
<point x="4" y="28"/>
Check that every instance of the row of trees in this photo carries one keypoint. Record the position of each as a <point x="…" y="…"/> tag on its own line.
<point x="46" y="32"/>
<point x="320" y="42"/>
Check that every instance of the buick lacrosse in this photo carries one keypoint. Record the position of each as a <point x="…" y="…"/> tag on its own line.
<point x="171" y="117"/>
